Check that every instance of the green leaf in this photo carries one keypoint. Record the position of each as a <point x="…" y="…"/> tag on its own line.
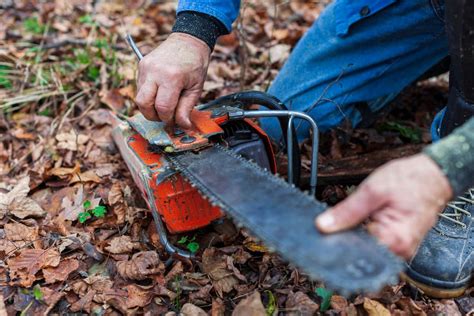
<point x="193" y="247"/>
<point x="87" y="204"/>
<point x="325" y="298"/>
<point x="272" y="305"/>
<point x="101" y="43"/>
<point x="183" y="240"/>
<point x="82" y="56"/>
<point x="4" y="81"/>
<point x="45" y="112"/>
<point x="86" y="19"/>
<point x="99" y="211"/>
<point x="93" y="73"/>
<point x="83" y="216"/>
<point x="412" y="134"/>
<point x="32" y="25"/>
<point x="37" y="294"/>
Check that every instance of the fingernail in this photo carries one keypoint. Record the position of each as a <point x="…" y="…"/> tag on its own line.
<point x="326" y="221"/>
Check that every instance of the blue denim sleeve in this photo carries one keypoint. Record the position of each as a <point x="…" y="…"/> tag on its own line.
<point x="225" y="11"/>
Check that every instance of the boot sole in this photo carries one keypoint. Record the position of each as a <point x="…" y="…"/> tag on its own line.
<point x="434" y="292"/>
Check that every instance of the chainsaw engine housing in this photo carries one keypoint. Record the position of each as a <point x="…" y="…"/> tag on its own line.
<point x="181" y="207"/>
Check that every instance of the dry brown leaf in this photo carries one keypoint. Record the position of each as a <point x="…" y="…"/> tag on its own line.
<point x="61" y="272"/>
<point x="218" y="307"/>
<point x="447" y="307"/>
<point x="83" y="304"/>
<point x="137" y="297"/>
<point x="17" y="203"/>
<point x="122" y="244"/>
<point x="338" y="303"/>
<point x="301" y="303"/>
<point x="88" y="176"/>
<point x="113" y="99"/>
<point x="214" y="264"/>
<point x="71" y="141"/>
<point x="192" y="310"/>
<point x="20" y="232"/>
<point x="250" y="306"/>
<point x="374" y="308"/>
<point x="65" y="172"/>
<point x="24" y="266"/>
<point x="141" y="266"/>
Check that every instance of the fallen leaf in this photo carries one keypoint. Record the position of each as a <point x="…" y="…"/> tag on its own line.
<point x="214" y="264"/>
<point x="279" y="53"/>
<point x="141" y="266"/>
<point x="250" y="306"/>
<point x="113" y="99"/>
<point x="189" y="309"/>
<point x="301" y="303"/>
<point x="20" y="232"/>
<point x="88" y="176"/>
<point x="24" y="266"/>
<point x="447" y="307"/>
<point x="137" y="297"/>
<point x="17" y="203"/>
<point x="71" y="141"/>
<point x="83" y="304"/>
<point x="338" y="303"/>
<point x="61" y="272"/>
<point x="122" y="244"/>
<point x="374" y="308"/>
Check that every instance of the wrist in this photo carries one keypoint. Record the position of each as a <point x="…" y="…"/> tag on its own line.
<point x="435" y="177"/>
<point x="191" y="40"/>
<point x="200" y="25"/>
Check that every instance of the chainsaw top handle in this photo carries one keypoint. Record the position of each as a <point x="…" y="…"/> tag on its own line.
<point x="247" y="98"/>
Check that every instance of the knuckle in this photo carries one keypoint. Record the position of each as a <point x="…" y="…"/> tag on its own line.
<point x="372" y="190"/>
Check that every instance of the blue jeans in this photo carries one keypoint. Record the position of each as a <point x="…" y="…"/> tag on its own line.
<point x="358" y="52"/>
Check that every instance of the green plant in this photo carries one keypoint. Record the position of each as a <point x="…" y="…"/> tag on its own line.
<point x="37" y="294"/>
<point x="410" y="133"/>
<point x="191" y="245"/>
<point x="33" y="25"/>
<point x="4" y="80"/>
<point x="272" y="305"/>
<point x="325" y="298"/>
<point x="89" y="212"/>
<point x="87" y="19"/>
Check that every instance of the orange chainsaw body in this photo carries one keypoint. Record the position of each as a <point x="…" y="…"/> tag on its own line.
<point x="181" y="206"/>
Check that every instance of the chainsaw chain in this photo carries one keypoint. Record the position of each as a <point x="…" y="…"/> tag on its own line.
<point x="349" y="271"/>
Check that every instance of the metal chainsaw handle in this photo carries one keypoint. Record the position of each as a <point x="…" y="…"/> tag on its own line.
<point x="247" y="98"/>
<point x="290" y="115"/>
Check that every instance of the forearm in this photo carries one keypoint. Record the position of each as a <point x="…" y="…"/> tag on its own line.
<point x="454" y="154"/>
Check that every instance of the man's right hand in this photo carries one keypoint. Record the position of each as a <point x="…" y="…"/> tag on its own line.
<point x="171" y="78"/>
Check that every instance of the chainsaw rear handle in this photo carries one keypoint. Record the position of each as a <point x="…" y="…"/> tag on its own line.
<point x="247" y="98"/>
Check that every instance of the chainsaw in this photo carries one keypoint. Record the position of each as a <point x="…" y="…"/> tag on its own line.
<point x="226" y="166"/>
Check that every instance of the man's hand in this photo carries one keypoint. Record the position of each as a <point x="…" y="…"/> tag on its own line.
<point x="402" y="199"/>
<point x="171" y="77"/>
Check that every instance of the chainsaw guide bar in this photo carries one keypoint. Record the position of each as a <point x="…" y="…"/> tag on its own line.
<point x="282" y="216"/>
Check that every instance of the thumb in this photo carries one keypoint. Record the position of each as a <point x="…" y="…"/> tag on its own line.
<point x="352" y="211"/>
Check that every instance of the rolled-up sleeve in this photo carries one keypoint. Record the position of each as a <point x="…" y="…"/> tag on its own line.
<point x="225" y="11"/>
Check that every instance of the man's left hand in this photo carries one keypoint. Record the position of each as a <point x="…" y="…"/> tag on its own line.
<point x="402" y="199"/>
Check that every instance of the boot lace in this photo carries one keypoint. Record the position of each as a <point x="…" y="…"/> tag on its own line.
<point x="456" y="209"/>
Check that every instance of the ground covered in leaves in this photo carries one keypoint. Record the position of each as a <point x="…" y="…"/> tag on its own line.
<point x="75" y="235"/>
